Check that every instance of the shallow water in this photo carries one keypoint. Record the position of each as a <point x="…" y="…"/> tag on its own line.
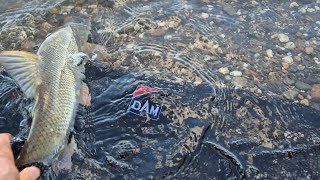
<point x="204" y="128"/>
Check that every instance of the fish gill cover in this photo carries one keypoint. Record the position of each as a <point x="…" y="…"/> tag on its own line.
<point x="194" y="53"/>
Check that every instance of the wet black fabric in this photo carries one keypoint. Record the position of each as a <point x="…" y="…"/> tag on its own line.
<point x="189" y="140"/>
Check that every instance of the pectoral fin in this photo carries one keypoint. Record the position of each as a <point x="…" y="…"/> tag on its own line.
<point x="23" y="68"/>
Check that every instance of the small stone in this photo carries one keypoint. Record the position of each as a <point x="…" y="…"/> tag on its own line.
<point x="239" y="81"/>
<point x="161" y="24"/>
<point x="302" y="10"/>
<point x="204" y="15"/>
<point x="67" y="19"/>
<point x="253" y="2"/>
<point x="224" y="70"/>
<point x="309" y="50"/>
<point x="310" y="10"/>
<point x="305" y="102"/>
<point x="256" y="90"/>
<point x="27" y="45"/>
<point x="269" y="53"/>
<point x="301" y="67"/>
<point x="272" y="75"/>
<point x="290" y="45"/>
<point x="297" y="58"/>
<point x="299" y="34"/>
<point x="287" y="59"/>
<point x="288" y="81"/>
<point x="130" y="46"/>
<point x="78" y="9"/>
<point x="302" y="85"/>
<point x="93" y="6"/>
<point x="283" y="38"/>
<point x="228" y="77"/>
<point x="285" y="65"/>
<point x="23" y="35"/>
<point x="294" y="4"/>
<point x="172" y="24"/>
<point x="236" y="73"/>
<point x="157" y="32"/>
<point x="290" y="94"/>
<point x="46" y="28"/>
<point x="315" y="92"/>
<point x="300" y="97"/>
<point x="54" y="10"/>
<point x="229" y="10"/>
<point x="197" y="81"/>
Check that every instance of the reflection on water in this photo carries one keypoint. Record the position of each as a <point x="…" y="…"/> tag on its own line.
<point x="15" y="7"/>
<point x="194" y="53"/>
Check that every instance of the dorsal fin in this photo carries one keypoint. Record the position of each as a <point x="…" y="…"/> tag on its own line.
<point x="23" y="68"/>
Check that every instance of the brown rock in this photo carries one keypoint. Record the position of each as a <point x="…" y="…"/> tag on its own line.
<point x="305" y="102"/>
<point x="315" y="92"/>
<point x="27" y="45"/>
<point x="67" y="19"/>
<point x="299" y="34"/>
<point x="54" y="10"/>
<point x="300" y="44"/>
<point x="157" y="32"/>
<point x="46" y="28"/>
<point x="309" y="50"/>
<point x="285" y="65"/>
<point x="239" y="81"/>
<point x="300" y="97"/>
<point x="78" y="9"/>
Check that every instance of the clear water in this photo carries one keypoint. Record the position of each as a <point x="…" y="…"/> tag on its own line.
<point x="206" y="128"/>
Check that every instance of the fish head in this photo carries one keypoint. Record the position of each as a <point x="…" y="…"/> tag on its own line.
<point x="77" y="63"/>
<point x="79" y="59"/>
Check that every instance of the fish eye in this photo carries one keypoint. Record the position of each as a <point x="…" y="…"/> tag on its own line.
<point x="79" y="59"/>
<point x="80" y="62"/>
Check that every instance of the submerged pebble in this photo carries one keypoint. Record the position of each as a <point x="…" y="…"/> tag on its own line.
<point x="269" y="53"/>
<point x="309" y="50"/>
<point x="239" y="81"/>
<point x="303" y="86"/>
<point x="287" y="59"/>
<point x="236" y="73"/>
<point x="290" y="45"/>
<point x="290" y="94"/>
<point x="283" y="38"/>
<point x="224" y="70"/>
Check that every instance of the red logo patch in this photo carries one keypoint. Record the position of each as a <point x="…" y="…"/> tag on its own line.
<point x="143" y="105"/>
<point x="143" y="90"/>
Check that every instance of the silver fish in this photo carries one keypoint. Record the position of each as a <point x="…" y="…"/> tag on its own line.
<point x="52" y="77"/>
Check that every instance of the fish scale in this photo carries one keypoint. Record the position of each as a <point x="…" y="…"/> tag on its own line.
<point x="57" y="77"/>
<point x="48" y="105"/>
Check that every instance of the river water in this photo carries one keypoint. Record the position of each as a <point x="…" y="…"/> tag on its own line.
<point x="181" y="89"/>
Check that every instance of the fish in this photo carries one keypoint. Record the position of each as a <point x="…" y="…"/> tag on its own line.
<point x="52" y="78"/>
